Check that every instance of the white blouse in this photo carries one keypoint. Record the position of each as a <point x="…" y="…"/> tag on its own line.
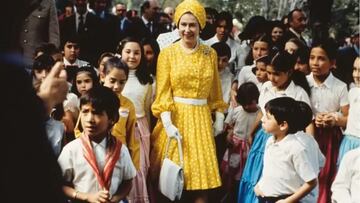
<point x="269" y="92"/>
<point x="353" y="121"/>
<point x="139" y="94"/>
<point x="328" y="96"/>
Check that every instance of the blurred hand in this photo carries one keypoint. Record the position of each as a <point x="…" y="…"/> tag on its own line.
<point x="53" y="90"/>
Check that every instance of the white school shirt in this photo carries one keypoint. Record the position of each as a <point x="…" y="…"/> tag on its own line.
<point x="353" y="120"/>
<point x="328" y="96"/>
<point x="226" y="78"/>
<point x="346" y="186"/>
<point x="286" y="167"/>
<point x="139" y="94"/>
<point x="269" y="92"/>
<point x="246" y="75"/>
<point x="242" y="121"/>
<point x="77" y="62"/>
<point x="77" y="171"/>
<point x="317" y="161"/>
<point x="238" y="54"/>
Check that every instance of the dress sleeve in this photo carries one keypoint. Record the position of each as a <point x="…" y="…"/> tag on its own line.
<point x="215" y="99"/>
<point x="164" y="97"/>
<point x="133" y="144"/>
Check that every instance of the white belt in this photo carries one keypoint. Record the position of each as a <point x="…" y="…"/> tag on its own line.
<point x="190" y="101"/>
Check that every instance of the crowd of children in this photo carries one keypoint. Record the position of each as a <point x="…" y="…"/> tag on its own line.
<point x="291" y="128"/>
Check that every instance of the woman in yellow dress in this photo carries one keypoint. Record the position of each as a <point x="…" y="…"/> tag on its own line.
<point x="188" y="91"/>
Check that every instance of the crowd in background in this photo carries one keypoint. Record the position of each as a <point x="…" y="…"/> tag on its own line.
<point x="192" y="72"/>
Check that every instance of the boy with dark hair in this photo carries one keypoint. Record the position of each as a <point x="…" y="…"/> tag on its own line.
<point x="226" y="77"/>
<point x="97" y="167"/>
<point x="287" y="174"/>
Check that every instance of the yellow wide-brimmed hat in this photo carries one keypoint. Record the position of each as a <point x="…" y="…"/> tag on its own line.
<point x="194" y="7"/>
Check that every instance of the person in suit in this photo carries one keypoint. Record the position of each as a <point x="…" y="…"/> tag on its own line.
<point x="39" y="26"/>
<point x="146" y="26"/>
<point x="88" y="28"/>
<point x="297" y="23"/>
<point x="110" y="22"/>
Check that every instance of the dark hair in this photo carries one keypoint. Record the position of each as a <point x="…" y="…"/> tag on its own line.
<point x="290" y="15"/>
<point x="144" y="6"/>
<point x="46" y="48"/>
<point x="224" y="15"/>
<point x="303" y="55"/>
<point x="156" y="49"/>
<point x="103" y="55"/>
<point x="43" y="62"/>
<point x="297" y="42"/>
<point x="91" y="72"/>
<point x="328" y="45"/>
<point x="70" y="39"/>
<point x="306" y="115"/>
<point x="211" y="11"/>
<point x="285" y="109"/>
<point x="264" y="59"/>
<point x="142" y="73"/>
<point x="102" y="99"/>
<point x="247" y="93"/>
<point x="222" y="49"/>
<point x="249" y="60"/>
<point x="285" y="62"/>
<point x="255" y="25"/>
<point x="115" y="62"/>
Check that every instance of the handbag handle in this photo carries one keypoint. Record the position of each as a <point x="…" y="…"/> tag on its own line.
<point x="177" y="138"/>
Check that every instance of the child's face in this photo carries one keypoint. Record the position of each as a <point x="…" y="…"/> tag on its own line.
<point x="101" y="68"/>
<point x="223" y="62"/>
<point x="94" y="123"/>
<point x="278" y="79"/>
<point x="222" y="31"/>
<point x="115" y="80"/>
<point x="149" y="53"/>
<point x="302" y="67"/>
<point x="356" y="72"/>
<point x="259" y="49"/>
<point x="83" y="82"/>
<point x="291" y="47"/>
<point x="131" y="54"/>
<point x="71" y="51"/>
<point x="319" y="62"/>
<point x="276" y="33"/>
<point x="270" y="124"/>
<point x="40" y="74"/>
<point x="261" y="74"/>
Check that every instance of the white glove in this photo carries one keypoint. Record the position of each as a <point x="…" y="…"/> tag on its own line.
<point x="170" y="129"/>
<point x="219" y="123"/>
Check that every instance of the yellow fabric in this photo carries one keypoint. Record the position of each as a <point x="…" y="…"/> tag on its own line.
<point x="189" y="75"/>
<point x="194" y="7"/>
<point x="124" y="129"/>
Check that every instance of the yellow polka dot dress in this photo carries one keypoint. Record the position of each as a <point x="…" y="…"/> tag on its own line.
<point x="188" y="75"/>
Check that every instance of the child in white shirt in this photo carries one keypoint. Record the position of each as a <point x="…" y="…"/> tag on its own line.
<point x="97" y="167"/>
<point x="226" y="77"/>
<point x="346" y="186"/>
<point x="238" y="124"/>
<point x="287" y="174"/>
<point x="317" y="159"/>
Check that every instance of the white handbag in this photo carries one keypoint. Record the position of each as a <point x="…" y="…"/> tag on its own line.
<point x="171" y="181"/>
